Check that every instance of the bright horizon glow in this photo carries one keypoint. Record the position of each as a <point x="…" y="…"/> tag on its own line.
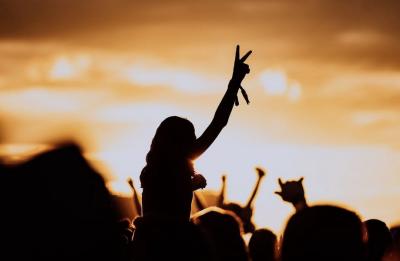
<point x="325" y="169"/>
<point x="280" y="160"/>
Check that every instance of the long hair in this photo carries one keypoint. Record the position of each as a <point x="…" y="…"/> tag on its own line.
<point x="169" y="150"/>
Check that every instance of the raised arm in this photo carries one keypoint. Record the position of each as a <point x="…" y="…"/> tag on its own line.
<point x="221" y="196"/>
<point x="136" y="200"/>
<point x="260" y="175"/>
<point x="221" y="116"/>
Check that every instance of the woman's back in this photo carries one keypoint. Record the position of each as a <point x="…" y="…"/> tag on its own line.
<point x="167" y="195"/>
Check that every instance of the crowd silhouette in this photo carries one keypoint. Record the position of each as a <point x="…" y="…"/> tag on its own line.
<point x="56" y="206"/>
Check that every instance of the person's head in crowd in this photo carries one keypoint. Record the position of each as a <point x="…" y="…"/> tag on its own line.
<point x="168" y="241"/>
<point x="70" y="210"/>
<point x="323" y="233"/>
<point x="244" y="213"/>
<point x="126" y="230"/>
<point x="223" y="231"/>
<point x="379" y="239"/>
<point x="395" y="231"/>
<point x="171" y="144"/>
<point x="262" y="245"/>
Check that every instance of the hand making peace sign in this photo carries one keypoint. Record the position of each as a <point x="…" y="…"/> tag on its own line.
<point x="240" y="69"/>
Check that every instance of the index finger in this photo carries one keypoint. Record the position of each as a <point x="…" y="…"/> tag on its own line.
<point x="237" y="55"/>
<point x="280" y="182"/>
<point x="245" y="56"/>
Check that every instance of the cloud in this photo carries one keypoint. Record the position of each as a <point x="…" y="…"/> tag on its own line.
<point x="276" y="83"/>
<point x="364" y="90"/>
<point x="65" y="68"/>
<point x="181" y="79"/>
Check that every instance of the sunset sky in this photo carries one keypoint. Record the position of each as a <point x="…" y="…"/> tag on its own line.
<point x="324" y="90"/>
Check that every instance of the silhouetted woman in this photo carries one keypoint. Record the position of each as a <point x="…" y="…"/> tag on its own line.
<point x="168" y="180"/>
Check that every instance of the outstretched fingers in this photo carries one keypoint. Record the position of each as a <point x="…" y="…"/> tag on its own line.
<point x="244" y="58"/>
<point x="237" y="55"/>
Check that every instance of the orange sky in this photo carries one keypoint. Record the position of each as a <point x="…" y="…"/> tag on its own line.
<point x="324" y="90"/>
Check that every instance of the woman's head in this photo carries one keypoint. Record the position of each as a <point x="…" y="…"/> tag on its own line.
<point x="170" y="148"/>
<point x="174" y="138"/>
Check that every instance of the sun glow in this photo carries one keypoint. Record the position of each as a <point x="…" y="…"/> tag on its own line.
<point x="276" y="83"/>
<point x="66" y="68"/>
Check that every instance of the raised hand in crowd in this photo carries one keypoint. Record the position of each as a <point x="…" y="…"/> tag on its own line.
<point x="292" y="191"/>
